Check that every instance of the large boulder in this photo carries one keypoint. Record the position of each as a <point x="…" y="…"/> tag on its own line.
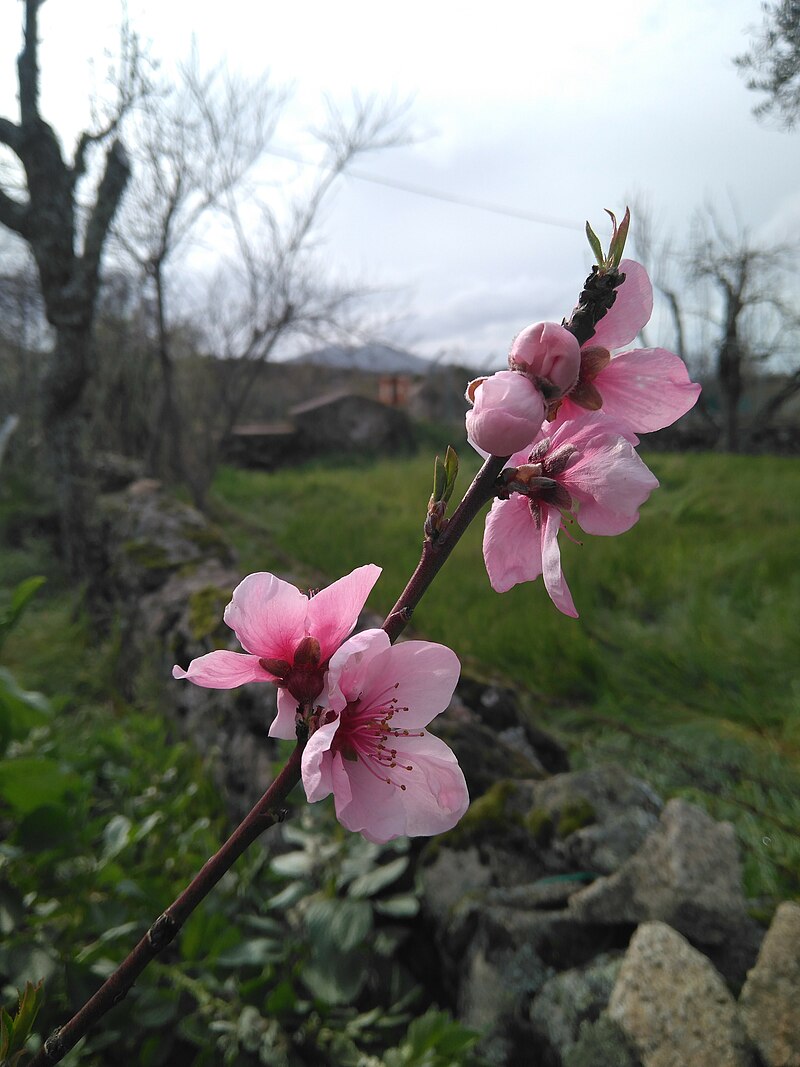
<point x="770" y="999"/>
<point x="674" y="1007"/>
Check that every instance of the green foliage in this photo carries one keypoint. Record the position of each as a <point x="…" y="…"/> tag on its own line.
<point x="434" y="1040"/>
<point x="11" y="613"/>
<point x="14" y="1032"/>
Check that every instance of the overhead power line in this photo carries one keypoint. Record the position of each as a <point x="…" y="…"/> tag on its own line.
<point x="436" y="194"/>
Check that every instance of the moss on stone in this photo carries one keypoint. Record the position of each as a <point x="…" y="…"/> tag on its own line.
<point x="147" y="554"/>
<point x="574" y="816"/>
<point x="206" y="606"/>
<point x="601" y="1042"/>
<point x="539" y="822"/>
<point x="208" y="539"/>
<point x="488" y="813"/>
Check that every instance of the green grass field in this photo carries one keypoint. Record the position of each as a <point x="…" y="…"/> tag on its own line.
<point x="683" y="664"/>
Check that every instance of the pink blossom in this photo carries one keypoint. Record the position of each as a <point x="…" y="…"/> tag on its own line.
<point x="549" y="355"/>
<point x="288" y="638"/>
<point x="388" y="775"/>
<point x="507" y="412"/>
<point x="585" y="468"/>
<point x="643" y="389"/>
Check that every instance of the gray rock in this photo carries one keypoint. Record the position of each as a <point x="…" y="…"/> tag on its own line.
<point x="770" y="1000"/>
<point x="686" y="873"/>
<point x="674" y="1007"/>
<point x="573" y="997"/>
<point x="449" y="878"/>
<point x="600" y="816"/>
<point x="499" y="971"/>
<point x="601" y="1044"/>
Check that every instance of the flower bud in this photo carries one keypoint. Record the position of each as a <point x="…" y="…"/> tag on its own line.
<point x="507" y="413"/>
<point x="549" y="355"/>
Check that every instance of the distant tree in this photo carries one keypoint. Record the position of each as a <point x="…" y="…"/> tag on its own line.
<point x="126" y="375"/>
<point x="773" y="63"/>
<point x="732" y="301"/>
<point x="272" y="286"/>
<point x="754" y="322"/>
<point x="24" y="341"/>
<point x="66" y="230"/>
<point x="192" y="145"/>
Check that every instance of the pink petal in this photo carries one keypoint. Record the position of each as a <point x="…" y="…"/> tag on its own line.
<point x="223" y="670"/>
<point x="570" y="414"/>
<point x="433" y="801"/>
<point x="507" y="413"/>
<point x="317" y="762"/>
<point x="284" y="725"/>
<point x="267" y="615"/>
<point x="547" y="350"/>
<point x="649" y="388"/>
<point x="333" y="612"/>
<point x="350" y="665"/>
<point x="554" y="580"/>
<point x="418" y="675"/>
<point x="610" y="482"/>
<point x="512" y="547"/>
<point x="631" y="310"/>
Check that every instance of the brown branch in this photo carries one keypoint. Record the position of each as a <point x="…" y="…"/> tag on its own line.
<point x="10" y="134"/>
<point x="435" y="552"/>
<point x="28" y="65"/>
<point x="597" y="296"/>
<point x="266" y="813"/>
<point x="109" y="194"/>
<point x="14" y="215"/>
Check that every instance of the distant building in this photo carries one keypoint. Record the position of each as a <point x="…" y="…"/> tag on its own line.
<point x="337" y="422"/>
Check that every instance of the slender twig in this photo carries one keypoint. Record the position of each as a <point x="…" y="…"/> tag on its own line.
<point x="596" y="298"/>
<point x="435" y="552"/>
<point x="266" y="813"/>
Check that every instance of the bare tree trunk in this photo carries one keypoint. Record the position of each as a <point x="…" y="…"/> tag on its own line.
<point x="69" y="277"/>
<point x="165" y="457"/>
<point x="65" y="433"/>
<point x="729" y="373"/>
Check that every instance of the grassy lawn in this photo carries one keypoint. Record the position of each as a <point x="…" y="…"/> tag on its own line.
<point x="683" y="663"/>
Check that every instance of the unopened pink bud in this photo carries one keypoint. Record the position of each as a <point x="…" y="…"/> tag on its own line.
<point x="507" y="413"/>
<point x="550" y="355"/>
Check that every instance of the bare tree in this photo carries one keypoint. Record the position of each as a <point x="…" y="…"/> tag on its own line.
<point x="755" y="322"/>
<point x="274" y="286"/>
<point x="773" y="63"/>
<point x="66" y="237"/>
<point x="193" y="144"/>
<point x="730" y="298"/>
<point x="24" y="333"/>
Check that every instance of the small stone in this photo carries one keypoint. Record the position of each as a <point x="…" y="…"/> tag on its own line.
<point x="770" y="1000"/>
<point x="674" y="1007"/>
<point x="573" y="997"/>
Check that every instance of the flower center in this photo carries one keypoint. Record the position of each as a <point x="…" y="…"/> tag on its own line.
<point x="538" y="478"/>
<point x="367" y="734"/>
<point x="304" y="677"/>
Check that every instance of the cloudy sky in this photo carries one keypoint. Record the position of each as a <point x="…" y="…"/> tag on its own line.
<point x="555" y="113"/>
